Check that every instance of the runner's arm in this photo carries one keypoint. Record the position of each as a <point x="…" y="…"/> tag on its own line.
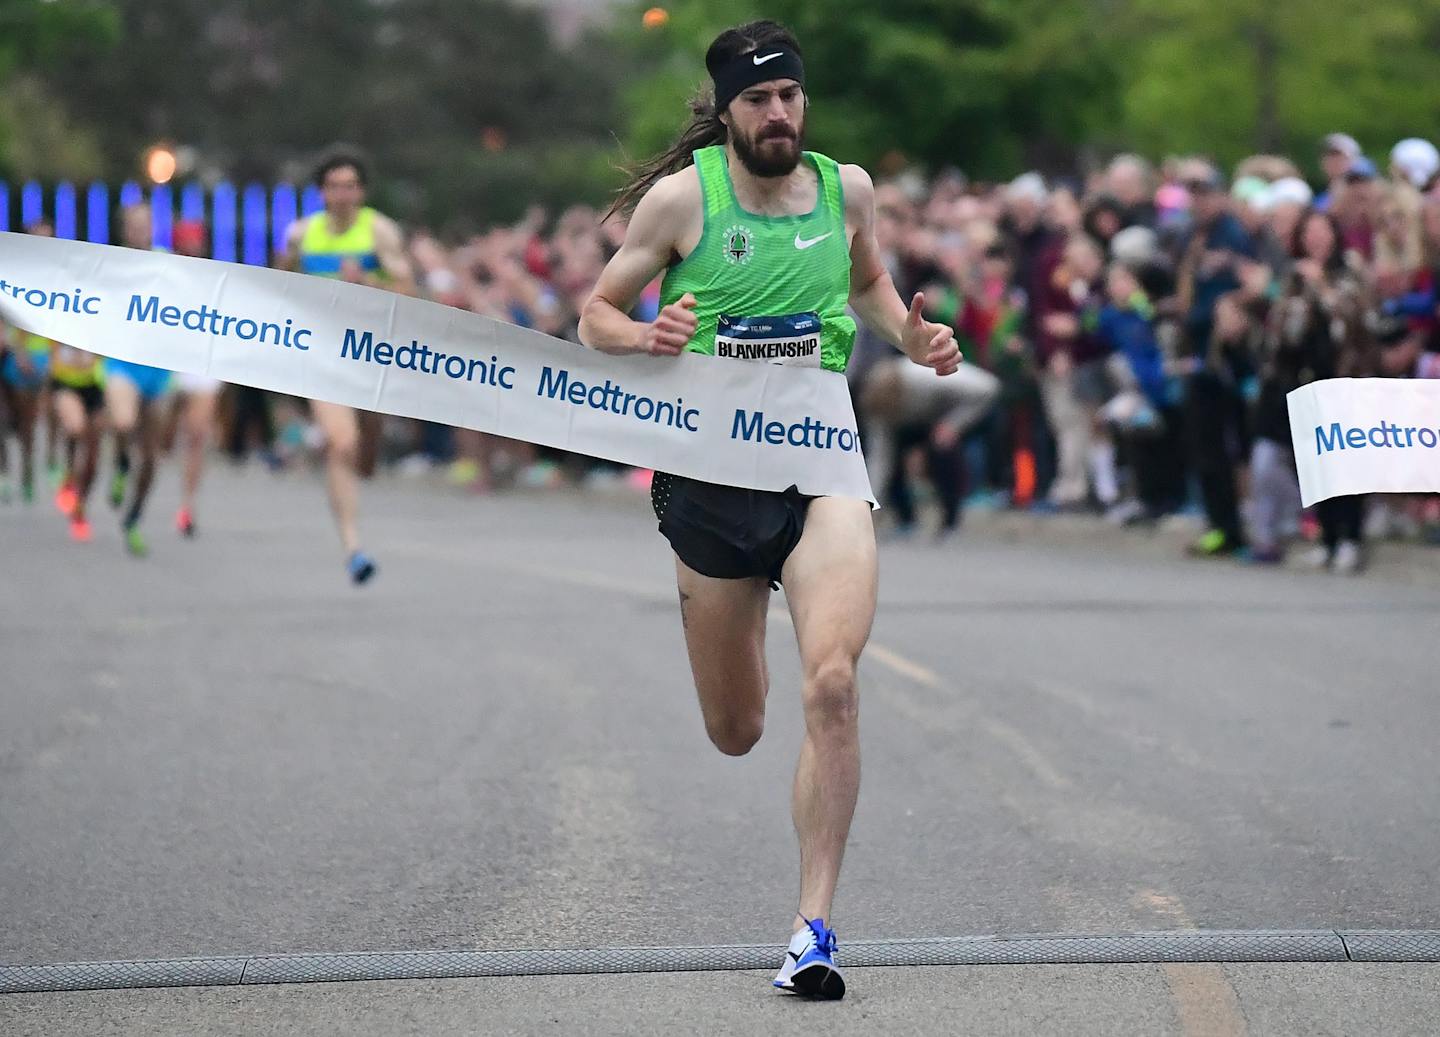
<point x="290" y="258"/>
<point x="390" y="248"/>
<point x="872" y="292"/>
<point x="649" y="244"/>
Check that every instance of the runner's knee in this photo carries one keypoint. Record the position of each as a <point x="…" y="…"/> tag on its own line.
<point x="735" y="734"/>
<point x="344" y="448"/>
<point x="831" y="695"/>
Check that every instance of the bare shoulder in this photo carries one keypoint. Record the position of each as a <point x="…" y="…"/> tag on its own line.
<point x="859" y="190"/>
<point x="668" y="212"/>
<point x="675" y="195"/>
<point x="387" y="228"/>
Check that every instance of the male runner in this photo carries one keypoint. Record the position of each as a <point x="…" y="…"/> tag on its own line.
<point x="351" y="241"/>
<point x="748" y="226"/>
<point x="75" y="386"/>
<point x="132" y="395"/>
<point x="24" y="375"/>
<point x="197" y="398"/>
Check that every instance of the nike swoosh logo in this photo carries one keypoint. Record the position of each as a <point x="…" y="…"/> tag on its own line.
<point x="803" y="243"/>
<point x="760" y="61"/>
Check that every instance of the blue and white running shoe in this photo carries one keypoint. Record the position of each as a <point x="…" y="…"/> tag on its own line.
<point x="810" y="967"/>
<point x="361" y="567"/>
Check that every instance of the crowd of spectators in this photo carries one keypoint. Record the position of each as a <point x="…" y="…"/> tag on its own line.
<point x="1130" y="335"/>
<point x="1142" y="328"/>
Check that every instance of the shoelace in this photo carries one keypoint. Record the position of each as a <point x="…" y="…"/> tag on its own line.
<point x="824" y="938"/>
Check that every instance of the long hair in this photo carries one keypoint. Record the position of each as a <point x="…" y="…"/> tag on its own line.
<point x="1430" y="240"/>
<point x="706" y="127"/>
<point x="1335" y="261"/>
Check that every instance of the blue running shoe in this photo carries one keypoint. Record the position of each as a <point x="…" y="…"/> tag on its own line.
<point x="361" y="567"/>
<point x="810" y="967"/>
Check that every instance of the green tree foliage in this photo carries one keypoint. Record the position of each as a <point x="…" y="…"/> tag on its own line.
<point x="1230" y="77"/>
<point x="426" y="88"/>
<point x="994" y="86"/>
<point x="40" y="139"/>
<point x="469" y="109"/>
<point x="35" y="31"/>
<point x="38" y="136"/>
<point x="487" y="114"/>
<point x="987" y="85"/>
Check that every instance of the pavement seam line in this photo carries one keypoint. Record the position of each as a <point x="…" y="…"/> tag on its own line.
<point x="1197" y="947"/>
<point x="1012" y="738"/>
<point x="892" y="659"/>
<point x="1206" y="1002"/>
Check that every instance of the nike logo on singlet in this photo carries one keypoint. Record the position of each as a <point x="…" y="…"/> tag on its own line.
<point x="804" y="243"/>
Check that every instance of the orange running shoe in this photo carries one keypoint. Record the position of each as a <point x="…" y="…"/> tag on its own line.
<point x="66" y="499"/>
<point x="80" y="531"/>
<point x="185" y="522"/>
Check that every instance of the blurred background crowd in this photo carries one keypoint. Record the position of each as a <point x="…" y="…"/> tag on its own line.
<point x="1139" y="330"/>
<point x="1132" y="322"/>
<point x="1131" y="337"/>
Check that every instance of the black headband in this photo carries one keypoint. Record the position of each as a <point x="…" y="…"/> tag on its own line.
<point x="758" y="66"/>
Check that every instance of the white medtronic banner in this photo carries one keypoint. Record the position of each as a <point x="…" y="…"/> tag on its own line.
<point x="1366" y="435"/>
<point x="756" y="425"/>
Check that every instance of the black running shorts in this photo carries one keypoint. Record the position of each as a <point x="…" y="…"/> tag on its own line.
<point x="92" y="397"/>
<point x="727" y="532"/>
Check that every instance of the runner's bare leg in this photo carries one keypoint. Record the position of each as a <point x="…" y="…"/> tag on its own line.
<point x="342" y="445"/>
<point x="830" y="583"/>
<point x="725" y="635"/>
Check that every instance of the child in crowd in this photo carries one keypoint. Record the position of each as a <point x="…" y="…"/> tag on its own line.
<point x="1135" y="368"/>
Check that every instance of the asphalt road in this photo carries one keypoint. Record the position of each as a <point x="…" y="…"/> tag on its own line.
<point x="226" y="749"/>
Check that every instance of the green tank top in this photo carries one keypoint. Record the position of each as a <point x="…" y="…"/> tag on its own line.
<point x="768" y="288"/>
<point x="75" y="367"/>
<point x="322" y="252"/>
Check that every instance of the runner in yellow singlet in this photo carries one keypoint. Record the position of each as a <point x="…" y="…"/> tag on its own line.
<point x="75" y="386"/>
<point x="351" y="241"/>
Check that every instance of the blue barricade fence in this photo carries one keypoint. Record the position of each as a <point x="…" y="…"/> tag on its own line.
<point x="246" y="223"/>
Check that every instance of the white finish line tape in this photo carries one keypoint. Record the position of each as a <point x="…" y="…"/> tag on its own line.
<point x="760" y="426"/>
<point x="1366" y="435"/>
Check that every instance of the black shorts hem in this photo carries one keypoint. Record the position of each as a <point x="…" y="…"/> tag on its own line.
<point x="92" y="397"/>
<point x="729" y="533"/>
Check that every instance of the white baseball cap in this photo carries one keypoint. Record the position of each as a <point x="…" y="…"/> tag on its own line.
<point x="1135" y="246"/>
<point x="1287" y="190"/>
<point x="1028" y="185"/>
<point x="1344" y="144"/>
<point x="1417" y="159"/>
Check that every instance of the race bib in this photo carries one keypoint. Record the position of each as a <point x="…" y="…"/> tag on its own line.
<point x="793" y="340"/>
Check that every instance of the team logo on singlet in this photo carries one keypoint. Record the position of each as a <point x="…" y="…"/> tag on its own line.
<point x="739" y="245"/>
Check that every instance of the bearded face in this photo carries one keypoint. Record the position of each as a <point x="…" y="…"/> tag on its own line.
<point x="767" y="127"/>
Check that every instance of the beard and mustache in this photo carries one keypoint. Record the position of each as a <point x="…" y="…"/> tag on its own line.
<point x="771" y="153"/>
